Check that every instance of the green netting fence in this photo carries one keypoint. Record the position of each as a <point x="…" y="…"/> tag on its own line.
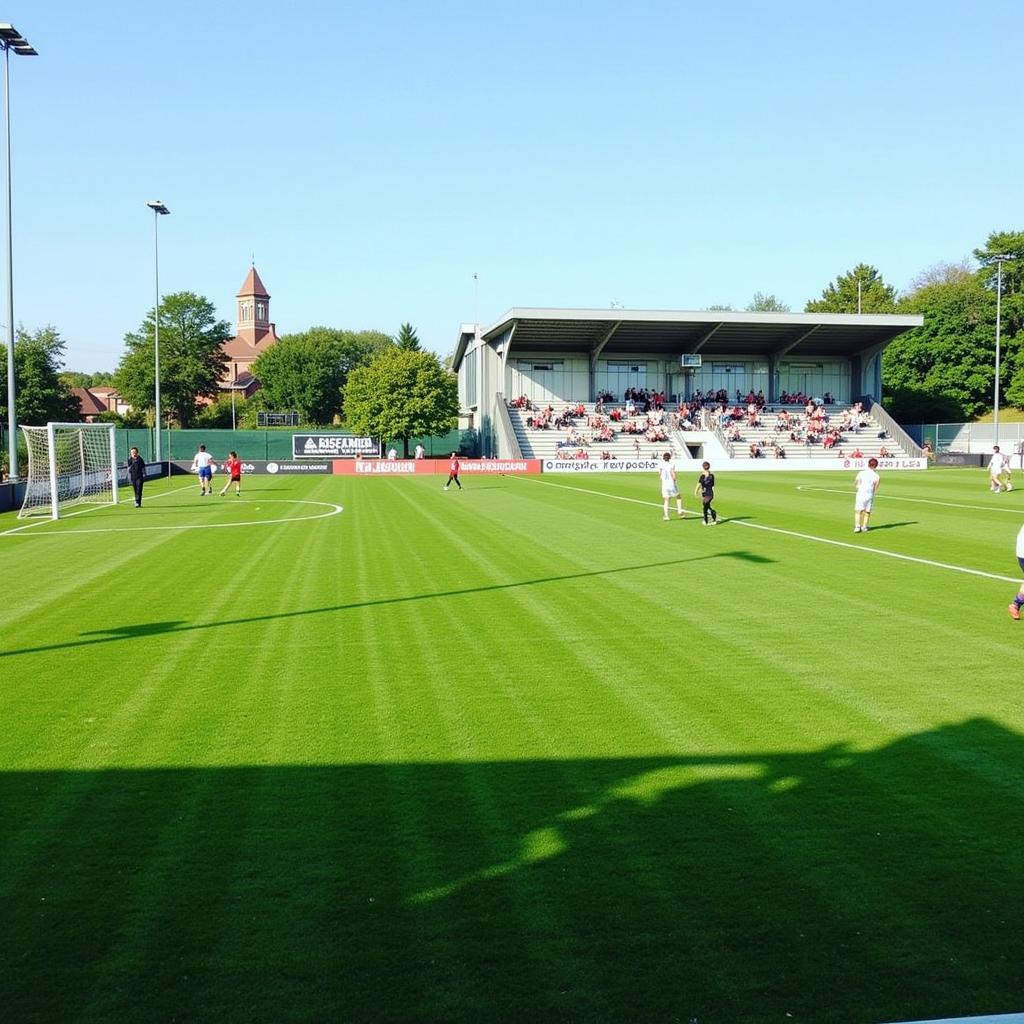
<point x="269" y="444"/>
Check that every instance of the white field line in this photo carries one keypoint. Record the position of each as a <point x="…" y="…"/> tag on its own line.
<point x="332" y="510"/>
<point x="794" y="533"/>
<point x="89" y="508"/>
<point x="921" y="501"/>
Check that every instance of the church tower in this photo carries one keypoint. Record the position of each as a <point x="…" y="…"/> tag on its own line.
<point x="253" y="299"/>
<point x="254" y="335"/>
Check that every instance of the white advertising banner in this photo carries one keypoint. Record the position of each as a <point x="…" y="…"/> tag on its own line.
<point x="770" y="465"/>
<point x="583" y="466"/>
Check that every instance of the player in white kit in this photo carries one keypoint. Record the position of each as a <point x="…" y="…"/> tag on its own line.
<point x="866" y="484"/>
<point x="669" y="487"/>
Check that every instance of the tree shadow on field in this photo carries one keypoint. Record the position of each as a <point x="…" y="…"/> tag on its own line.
<point x="128" y="631"/>
<point x="828" y="886"/>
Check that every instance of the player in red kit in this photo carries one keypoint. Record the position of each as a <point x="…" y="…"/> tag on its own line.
<point x="453" y="472"/>
<point x="233" y="468"/>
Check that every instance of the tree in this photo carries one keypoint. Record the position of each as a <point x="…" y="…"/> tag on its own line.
<point x="1006" y="243"/>
<point x="78" y="379"/>
<point x="720" y="308"/>
<point x="307" y="371"/>
<point x="402" y="394"/>
<point x="950" y="358"/>
<point x="762" y="303"/>
<point x="41" y="395"/>
<point x="841" y="296"/>
<point x="408" y="339"/>
<point x="192" y="360"/>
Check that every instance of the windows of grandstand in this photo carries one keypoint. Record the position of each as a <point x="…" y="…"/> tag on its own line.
<point x="617" y="377"/>
<point x="815" y="379"/>
<point x="469" y="381"/>
<point x="547" y="380"/>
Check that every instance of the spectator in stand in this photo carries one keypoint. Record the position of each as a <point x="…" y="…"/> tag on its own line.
<point x="780" y="452"/>
<point x="856" y="454"/>
<point x="419" y="451"/>
<point x="883" y="453"/>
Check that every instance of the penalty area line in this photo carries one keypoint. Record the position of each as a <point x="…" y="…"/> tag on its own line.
<point x="801" y="536"/>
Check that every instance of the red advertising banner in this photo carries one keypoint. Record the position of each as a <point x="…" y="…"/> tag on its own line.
<point x="410" y="467"/>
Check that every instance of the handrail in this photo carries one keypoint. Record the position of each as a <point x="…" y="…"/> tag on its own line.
<point x="506" y="432"/>
<point x="679" y="438"/>
<point x="715" y="427"/>
<point x="905" y="441"/>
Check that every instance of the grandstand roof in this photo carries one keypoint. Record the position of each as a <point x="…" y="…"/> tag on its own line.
<point x="629" y="332"/>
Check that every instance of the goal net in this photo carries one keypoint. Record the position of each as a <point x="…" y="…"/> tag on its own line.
<point x="69" y="464"/>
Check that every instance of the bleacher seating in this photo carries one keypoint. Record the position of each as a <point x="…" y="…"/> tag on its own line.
<point x="869" y="440"/>
<point x="548" y="443"/>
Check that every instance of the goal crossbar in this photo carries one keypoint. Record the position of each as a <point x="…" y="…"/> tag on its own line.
<point x="69" y="464"/>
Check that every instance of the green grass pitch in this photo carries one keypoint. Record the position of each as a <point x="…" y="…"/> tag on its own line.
<point x="520" y="753"/>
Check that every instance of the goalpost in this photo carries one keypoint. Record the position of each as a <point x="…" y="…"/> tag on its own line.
<point x="69" y="464"/>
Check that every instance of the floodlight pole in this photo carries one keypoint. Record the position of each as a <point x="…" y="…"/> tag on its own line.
<point x="11" y="39"/>
<point x="999" y="261"/>
<point x="158" y="208"/>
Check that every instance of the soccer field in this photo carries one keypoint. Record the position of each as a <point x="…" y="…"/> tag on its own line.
<point x="363" y="750"/>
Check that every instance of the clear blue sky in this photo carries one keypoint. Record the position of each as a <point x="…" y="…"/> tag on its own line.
<point x="374" y="155"/>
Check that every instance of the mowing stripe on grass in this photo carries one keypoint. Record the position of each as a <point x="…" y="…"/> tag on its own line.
<point x="920" y="501"/>
<point x="14" y="531"/>
<point x="794" y="533"/>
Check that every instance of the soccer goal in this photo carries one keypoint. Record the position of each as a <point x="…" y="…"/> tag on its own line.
<point x="69" y="464"/>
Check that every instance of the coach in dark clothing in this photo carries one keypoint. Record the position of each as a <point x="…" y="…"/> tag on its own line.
<point x="136" y="474"/>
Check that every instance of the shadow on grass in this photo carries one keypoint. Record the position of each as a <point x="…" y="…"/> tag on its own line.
<point x="891" y="526"/>
<point x="98" y="636"/>
<point x="827" y="886"/>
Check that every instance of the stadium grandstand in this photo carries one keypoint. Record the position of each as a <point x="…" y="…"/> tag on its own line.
<point x="710" y="384"/>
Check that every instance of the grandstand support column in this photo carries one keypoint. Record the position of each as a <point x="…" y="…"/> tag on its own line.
<point x="595" y="353"/>
<point x="866" y="379"/>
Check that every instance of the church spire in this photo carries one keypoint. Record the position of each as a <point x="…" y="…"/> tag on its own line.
<point x="253" y="306"/>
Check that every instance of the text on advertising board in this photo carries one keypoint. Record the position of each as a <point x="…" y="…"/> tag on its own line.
<point x="334" y="446"/>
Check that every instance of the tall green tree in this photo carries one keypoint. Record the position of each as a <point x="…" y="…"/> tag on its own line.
<point x="307" y="371"/>
<point x="840" y="296"/>
<point x="192" y="360"/>
<point x="1005" y="243"/>
<point x="78" y="379"/>
<point x="40" y="394"/>
<point x="762" y="303"/>
<point x="408" y="338"/>
<point x="943" y="370"/>
<point x="402" y="394"/>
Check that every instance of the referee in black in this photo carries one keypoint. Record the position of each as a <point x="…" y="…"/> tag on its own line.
<point x="136" y="474"/>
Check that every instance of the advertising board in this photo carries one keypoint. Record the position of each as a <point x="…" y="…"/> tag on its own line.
<point x="334" y="446"/>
